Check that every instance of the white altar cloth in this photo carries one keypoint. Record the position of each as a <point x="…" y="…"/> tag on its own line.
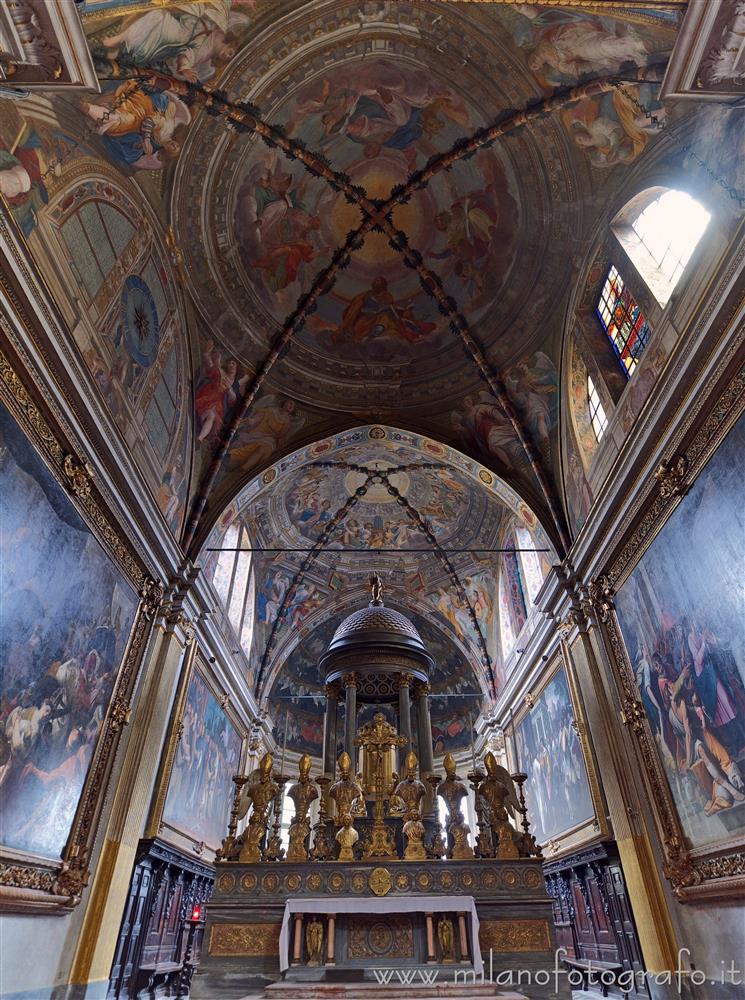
<point x="395" y="904"/>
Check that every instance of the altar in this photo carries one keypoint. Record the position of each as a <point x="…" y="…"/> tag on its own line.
<point x="376" y="886"/>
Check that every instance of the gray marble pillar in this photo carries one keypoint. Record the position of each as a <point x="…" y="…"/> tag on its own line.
<point x="404" y="719"/>
<point x="424" y="740"/>
<point x="329" y="728"/>
<point x="350" y="718"/>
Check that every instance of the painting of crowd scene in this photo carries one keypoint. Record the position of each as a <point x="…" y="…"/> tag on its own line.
<point x="557" y="791"/>
<point x="208" y="753"/>
<point x="681" y="614"/>
<point x="66" y="613"/>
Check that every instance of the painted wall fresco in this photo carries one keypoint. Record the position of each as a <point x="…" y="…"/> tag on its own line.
<point x="66" y="615"/>
<point x="200" y="792"/>
<point x="557" y="791"/>
<point x="680" y="614"/>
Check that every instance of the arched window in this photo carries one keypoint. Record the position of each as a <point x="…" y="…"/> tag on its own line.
<point x="659" y="230"/>
<point x="161" y="414"/>
<point x="96" y="236"/>
<point x="598" y="418"/>
<point x="506" y="629"/>
<point x="233" y="580"/>
<point x="623" y="321"/>
<point x="530" y="564"/>
<point x="669" y="229"/>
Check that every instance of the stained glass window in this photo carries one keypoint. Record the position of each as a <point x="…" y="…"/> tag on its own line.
<point x="623" y="321"/>
<point x="597" y="413"/>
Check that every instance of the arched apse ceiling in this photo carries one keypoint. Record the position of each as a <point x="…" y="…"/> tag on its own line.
<point x="374" y="211"/>
<point x="424" y="516"/>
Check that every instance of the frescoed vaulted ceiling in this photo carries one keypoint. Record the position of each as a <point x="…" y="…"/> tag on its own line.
<point x="316" y="218"/>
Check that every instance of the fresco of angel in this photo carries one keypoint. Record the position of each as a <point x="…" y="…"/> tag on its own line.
<point x="375" y="313"/>
<point x="265" y="430"/>
<point x="533" y="385"/>
<point x="218" y="389"/>
<point x="611" y="129"/>
<point x="138" y="124"/>
<point x="186" y="40"/>
<point x="385" y="108"/>
<point x="276" y="231"/>
<point x="486" y="428"/>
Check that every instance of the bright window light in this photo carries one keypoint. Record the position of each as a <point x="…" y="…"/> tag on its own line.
<point x="670" y="227"/>
<point x="597" y="413"/>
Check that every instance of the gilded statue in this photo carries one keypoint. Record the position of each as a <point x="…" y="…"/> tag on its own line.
<point x="346" y="838"/>
<point x="446" y="937"/>
<point x="452" y="790"/>
<point x="314" y="941"/>
<point x="302" y="793"/>
<point x="437" y="848"/>
<point x="377" y="738"/>
<point x="414" y="832"/>
<point x="360" y="808"/>
<point x="345" y="792"/>
<point x="498" y="794"/>
<point x="258" y="794"/>
<point x="411" y="791"/>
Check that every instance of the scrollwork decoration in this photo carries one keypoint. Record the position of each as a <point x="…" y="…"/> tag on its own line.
<point x="671" y="477"/>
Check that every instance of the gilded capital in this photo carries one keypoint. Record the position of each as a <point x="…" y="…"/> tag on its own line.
<point x="404" y="680"/>
<point x="350" y="680"/>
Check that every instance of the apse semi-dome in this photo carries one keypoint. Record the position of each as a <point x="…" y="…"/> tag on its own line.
<point x="376" y="643"/>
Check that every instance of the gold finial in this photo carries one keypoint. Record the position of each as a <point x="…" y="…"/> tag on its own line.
<point x="376" y="586"/>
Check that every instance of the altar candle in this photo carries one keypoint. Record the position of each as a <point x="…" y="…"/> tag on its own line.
<point x="473" y="741"/>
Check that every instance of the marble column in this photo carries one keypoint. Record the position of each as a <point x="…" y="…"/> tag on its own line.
<point x="350" y="717"/>
<point x="329" y="728"/>
<point x="404" y="719"/>
<point x="424" y="741"/>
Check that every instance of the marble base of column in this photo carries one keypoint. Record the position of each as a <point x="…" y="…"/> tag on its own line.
<point x="431" y="957"/>
<point x="297" y="947"/>
<point x="463" y="938"/>
<point x="330" y="939"/>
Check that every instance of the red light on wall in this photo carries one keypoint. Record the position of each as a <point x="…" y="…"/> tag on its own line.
<point x="196" y="913"/>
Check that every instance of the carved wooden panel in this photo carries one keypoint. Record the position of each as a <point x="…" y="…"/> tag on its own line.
<point x="514" y="935"/>
<point x="376" y="937"/>
<point x="245" y="939"/>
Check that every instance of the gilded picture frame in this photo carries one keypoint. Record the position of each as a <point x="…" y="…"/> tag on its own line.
<point x="594" y="826"/>
<point x="30" y="882"/>
<point x="695" y="873"/>
<point x="158" y="823"/>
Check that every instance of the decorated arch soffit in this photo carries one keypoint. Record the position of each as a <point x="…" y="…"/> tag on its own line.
<point x="287" y="509"/>
<point x="454" y="331"/>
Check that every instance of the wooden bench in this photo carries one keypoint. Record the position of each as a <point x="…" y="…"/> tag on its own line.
<point x="152" y="975"/>
<point x="596" y="968"/>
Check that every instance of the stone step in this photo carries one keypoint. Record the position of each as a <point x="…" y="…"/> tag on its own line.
<point x="391" y="991"/>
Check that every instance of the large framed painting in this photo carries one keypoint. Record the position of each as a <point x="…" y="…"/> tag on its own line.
<point x="562" y="792"/>
<point x="673" y="604"/>
<point x="195" y="787"/>
<point x="75" y="611"/>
